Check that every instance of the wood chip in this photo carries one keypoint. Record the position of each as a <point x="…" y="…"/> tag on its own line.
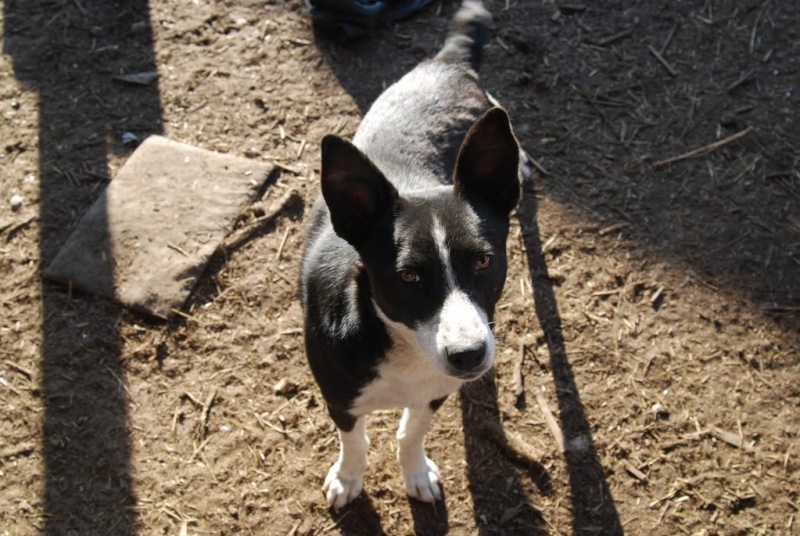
<point x="290" y="169"/>
<point x="656" y="294"/>
<point x="634" y="471"/>
<point x="611" y="228"/>
<point x="731" y="439"/>
<point x="670" y="69"/>
<point x="282" y="244"/>
<point x="204" y="414"/>
<point x="558" y="435"/>
<point x="516" y="376"/>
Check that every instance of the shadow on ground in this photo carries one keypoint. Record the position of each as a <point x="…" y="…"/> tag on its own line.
<point x="69" y="53"/>
<point x="593" y="508"/>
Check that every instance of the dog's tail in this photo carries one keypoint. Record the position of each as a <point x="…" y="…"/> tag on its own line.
<point x="469" y="33"/>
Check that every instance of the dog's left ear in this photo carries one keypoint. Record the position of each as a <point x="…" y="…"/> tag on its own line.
<point x="487" y="168"/>
<point x="355" y="190"/>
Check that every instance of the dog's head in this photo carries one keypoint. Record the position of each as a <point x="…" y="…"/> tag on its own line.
<point x="436" y="259"/>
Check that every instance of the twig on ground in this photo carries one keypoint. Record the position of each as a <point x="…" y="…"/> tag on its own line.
<point x="779" y="308"/>
<point x="19" y="368"/>
<point x="204" y="414"/>
<point x="518" y="450"/>
<point x="742" y="79"/>
<point x="700" y="151"/>
<point x="551" y="421"/>
<point x="634" y="471"/>
<point x="668" y="40"/>
<point x="193" y="398"/>
<point x="178" y="249"/>
<point x="755" y="26"/>
<point x="516" y="376"/>
<point x="290" y="199"/>
<point x="611" y="228"/>
<point x="613" y="38"/>
<point x="731" y="438"/>
<point x="670" y="69"/>
<point x="290" y="169"/>
<point x="656" y="294"/>
<point x="535" y="163"/>
<point x="282" y="244"/>
<point x="175" y="416"/>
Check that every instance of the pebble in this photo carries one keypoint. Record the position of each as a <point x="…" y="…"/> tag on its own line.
<point x="129" y="138"/>
<point x="728" y="120"/>
<point x="16" y="202"/>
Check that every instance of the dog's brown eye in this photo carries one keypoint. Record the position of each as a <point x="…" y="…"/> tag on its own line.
<point x="483" y="262"/>
<point x="409" y="275"/>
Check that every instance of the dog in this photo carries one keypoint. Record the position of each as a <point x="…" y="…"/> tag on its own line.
<point x="405" y="256"/>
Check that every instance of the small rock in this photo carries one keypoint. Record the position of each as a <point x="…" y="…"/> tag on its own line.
<point x="579" y="444"/>
<point x="16" y="202"/>
<point x="139" y="79"/>
<point x="139" y="27"/>
<point x="728" y="120"/>
<point x="129" y="138"/>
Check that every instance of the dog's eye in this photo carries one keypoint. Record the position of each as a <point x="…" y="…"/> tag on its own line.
<point x="409" y="275"/>
<point x="483" y="262"/>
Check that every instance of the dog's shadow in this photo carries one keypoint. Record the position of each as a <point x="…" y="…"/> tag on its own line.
<point x="500" y="501"/>
<point x="430" y="519"/>
<point x="359" y="518"/>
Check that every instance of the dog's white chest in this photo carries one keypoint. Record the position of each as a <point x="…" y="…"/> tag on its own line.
<point x="405" y="379"/>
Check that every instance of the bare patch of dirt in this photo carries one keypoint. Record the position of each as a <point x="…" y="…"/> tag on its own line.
<point x="651" y="307"/>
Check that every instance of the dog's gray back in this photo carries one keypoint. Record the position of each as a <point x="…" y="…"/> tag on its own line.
<point x="414" y="129"/>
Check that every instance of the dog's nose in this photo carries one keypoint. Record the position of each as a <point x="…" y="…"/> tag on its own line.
<point x="465" y="360"/>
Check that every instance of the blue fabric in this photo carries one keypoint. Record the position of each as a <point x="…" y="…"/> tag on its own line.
<point x="353" y="18"/>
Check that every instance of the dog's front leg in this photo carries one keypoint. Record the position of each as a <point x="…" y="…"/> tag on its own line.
<point x="420" y="473"/>
<point x="345" y="480"/>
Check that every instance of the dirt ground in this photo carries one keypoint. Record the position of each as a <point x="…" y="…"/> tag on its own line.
<point x="652" y="304"/>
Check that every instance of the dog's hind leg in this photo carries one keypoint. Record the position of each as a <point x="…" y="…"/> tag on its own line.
<point x="345" y="479"/>
<point x="419" y="472"/>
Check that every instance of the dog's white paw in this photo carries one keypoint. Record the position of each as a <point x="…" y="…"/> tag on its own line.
<point x="341" y="489"/>
<point x="422" y="482"/>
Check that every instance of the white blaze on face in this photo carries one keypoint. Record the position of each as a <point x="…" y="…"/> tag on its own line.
<point x="460" y="324"/>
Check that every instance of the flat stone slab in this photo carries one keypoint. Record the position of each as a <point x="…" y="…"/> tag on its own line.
<point x="149" y="236"/>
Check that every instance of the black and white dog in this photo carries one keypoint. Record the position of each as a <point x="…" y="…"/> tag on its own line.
<point x="405" y="256"/>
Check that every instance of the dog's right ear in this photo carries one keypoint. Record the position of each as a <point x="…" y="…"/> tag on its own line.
<point x="356" y="192"/>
